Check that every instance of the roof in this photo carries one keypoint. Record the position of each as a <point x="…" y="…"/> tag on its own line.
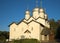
<point x="34" y="21"/>
<point x="45" y="31"/>
<point x="15" y="23"/>
<point x="26" y="22"/>
<point x="11" y="24"/>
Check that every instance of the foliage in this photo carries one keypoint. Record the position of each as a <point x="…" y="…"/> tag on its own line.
<point x="4" y="35"/>
<point x="26" y="41"/>
<point x="55" y="28"/>
<point x="57" y="36"/>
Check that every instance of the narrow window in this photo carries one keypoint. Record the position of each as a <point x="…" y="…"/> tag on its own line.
<point x="32" y="29"/>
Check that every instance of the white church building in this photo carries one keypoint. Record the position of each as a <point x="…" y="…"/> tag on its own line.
<point x="31" y="27"/>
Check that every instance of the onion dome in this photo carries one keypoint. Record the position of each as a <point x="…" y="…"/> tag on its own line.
<point x="42" y="13"/>
<point x="27" y="15"/>
<point x="35" y="9"/>
<point x="36" y="13"/>
<point x="46" y="17"/>
<point x="27" y="12"/>
<point x="41" y="10"/>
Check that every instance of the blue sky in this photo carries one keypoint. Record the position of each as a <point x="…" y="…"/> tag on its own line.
<point x="14" y="10"/>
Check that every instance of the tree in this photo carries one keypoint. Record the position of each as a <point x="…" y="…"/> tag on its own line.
<point x="53" y="25"/>
<point x="57" y="36"/>
<point x="4" y="35"/>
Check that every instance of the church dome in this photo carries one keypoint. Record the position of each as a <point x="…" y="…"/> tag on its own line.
<point x="36" y="12"/>
<point x="41" y="10"/>
<point x="46" y="17"/>
<point x="36" y="9"/>
<point x="42" y="13"/>
<point x="27" y="12"/>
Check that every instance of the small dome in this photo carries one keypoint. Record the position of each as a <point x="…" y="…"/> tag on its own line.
<point x="41" y="10"/>
<point x="27" y="12"/>
<point x="36" y="9"/>
<point x="46" y="17"/>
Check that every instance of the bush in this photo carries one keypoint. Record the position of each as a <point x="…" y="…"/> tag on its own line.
<point x="26" y="41"/>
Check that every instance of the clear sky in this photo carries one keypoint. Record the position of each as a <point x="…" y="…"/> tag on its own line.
<point x="14" y="10"/>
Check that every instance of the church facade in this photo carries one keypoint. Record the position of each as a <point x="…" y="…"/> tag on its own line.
<point x="31" y="27"/>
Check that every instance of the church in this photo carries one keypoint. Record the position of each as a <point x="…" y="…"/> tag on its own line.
<point x="31" y="27"/>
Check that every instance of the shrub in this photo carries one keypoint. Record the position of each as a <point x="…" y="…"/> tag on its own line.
<point x="26" y="41"/>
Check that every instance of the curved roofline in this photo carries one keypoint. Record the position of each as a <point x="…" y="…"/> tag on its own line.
<point x="26" y="20"/>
